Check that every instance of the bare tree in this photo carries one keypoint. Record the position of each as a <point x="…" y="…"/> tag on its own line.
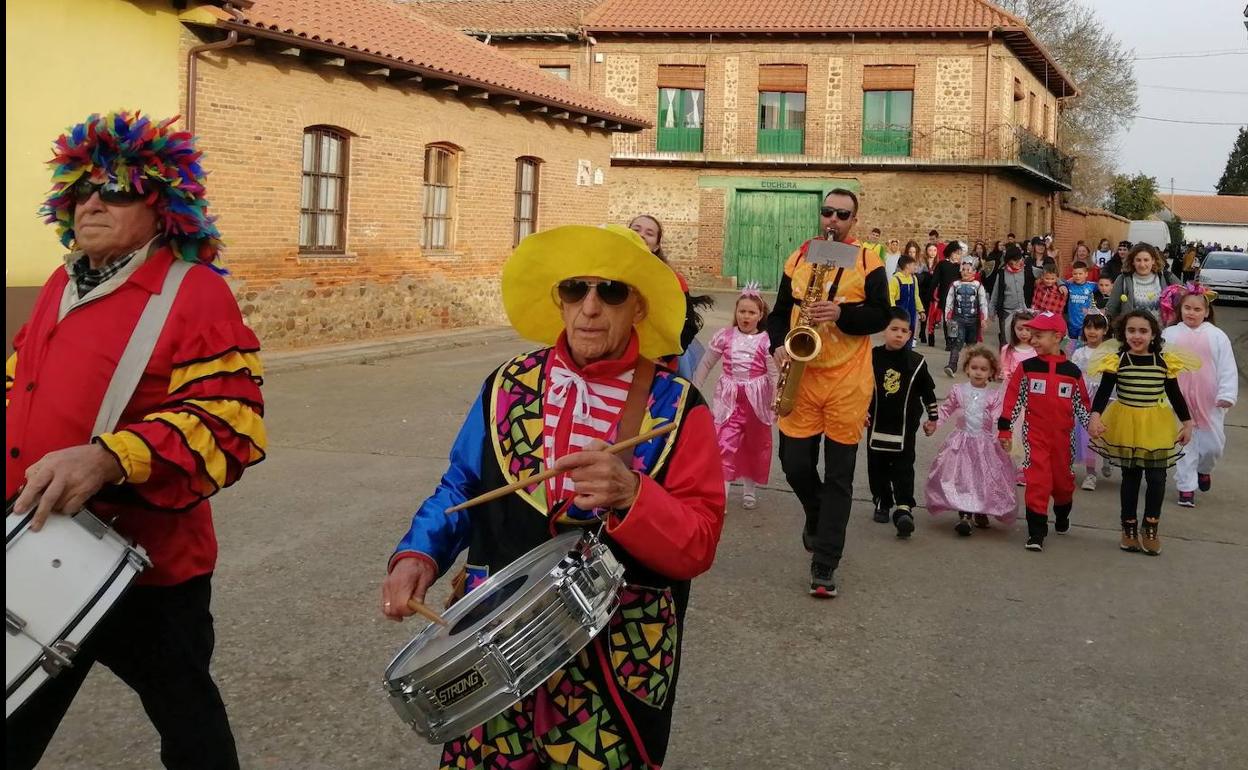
<point x="1102" y="68"/>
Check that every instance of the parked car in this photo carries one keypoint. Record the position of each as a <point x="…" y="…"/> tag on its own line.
<point x="1226" y="272"/>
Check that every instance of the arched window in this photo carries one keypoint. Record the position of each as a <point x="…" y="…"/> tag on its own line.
<point x="528" y="178"/>
<point x="323" y="199"/>
<point x="441" y="172"/>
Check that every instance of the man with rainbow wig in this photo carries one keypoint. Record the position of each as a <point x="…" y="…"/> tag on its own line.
<point x="128" y="200"/>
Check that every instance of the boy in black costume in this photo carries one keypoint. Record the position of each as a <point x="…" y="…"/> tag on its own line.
<point x="904" y="390"/>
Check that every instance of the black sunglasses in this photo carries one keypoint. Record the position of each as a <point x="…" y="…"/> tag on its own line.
<point x="574" y="290"/>
<point x="110" y="192"/>
<point x="841" y="214"/>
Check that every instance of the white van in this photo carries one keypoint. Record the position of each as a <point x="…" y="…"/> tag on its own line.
<point x="1150" y="231"/>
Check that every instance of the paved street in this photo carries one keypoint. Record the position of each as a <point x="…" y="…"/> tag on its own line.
<point x="941" y="652"/>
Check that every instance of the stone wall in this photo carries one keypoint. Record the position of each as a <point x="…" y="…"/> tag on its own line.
<point x="294" y="312"/>
<point x="953" y="121"/>
<point x="622" y="78"/>
<point x="732" y="82"/>
<point x="834" y="108"/>
<point x="253" y="109"/>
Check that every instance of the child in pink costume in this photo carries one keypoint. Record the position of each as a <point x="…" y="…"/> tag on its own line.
<point x="972" y="474"/>
<point x="744" y="394"/>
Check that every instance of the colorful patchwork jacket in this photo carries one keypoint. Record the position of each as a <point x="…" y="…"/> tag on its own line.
<point x="667" y="537"/>
<point x="194" y="423"/>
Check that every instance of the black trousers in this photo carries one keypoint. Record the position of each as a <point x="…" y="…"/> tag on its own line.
<point x="159" y="641"/>
<point x="891" y="475"/>
<point x="1154" y="493"/>
<point x="825" y="500"/>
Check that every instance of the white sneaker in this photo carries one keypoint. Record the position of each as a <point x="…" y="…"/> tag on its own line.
<point x="1089" y="482"/>
<point x="749" y="502"/>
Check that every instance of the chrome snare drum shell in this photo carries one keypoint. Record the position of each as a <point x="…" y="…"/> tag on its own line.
<point x="506" y="637"/>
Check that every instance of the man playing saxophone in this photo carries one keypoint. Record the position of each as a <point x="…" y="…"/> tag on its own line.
<point x="834" y="390"/>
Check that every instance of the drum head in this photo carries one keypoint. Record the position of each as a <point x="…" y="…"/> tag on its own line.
<point x="523" y="579"/>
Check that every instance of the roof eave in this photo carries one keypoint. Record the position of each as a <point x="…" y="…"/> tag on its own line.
<point x="622" y="122"/>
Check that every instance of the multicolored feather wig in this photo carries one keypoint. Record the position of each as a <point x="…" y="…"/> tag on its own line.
<point x="152" y="159"/>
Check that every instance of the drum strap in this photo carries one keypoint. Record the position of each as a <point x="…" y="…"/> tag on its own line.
<point x="637" y="400"/>
<point x="139" y="349"/>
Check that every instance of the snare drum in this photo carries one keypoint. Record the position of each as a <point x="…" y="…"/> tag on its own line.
<point x="506" y="637"/>
<point x="58" y="584"/>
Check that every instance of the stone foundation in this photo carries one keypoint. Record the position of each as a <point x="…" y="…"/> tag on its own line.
<point x="296" y="313"/>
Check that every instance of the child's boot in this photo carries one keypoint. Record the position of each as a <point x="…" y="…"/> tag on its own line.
<point x="963" y="527"/>
<point x="1150" y="541"/>
<point x="1130" y="541"/>
<point x="981" y="521"/>
<point x="1037" y="530"/>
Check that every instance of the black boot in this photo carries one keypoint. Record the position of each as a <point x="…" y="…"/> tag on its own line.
<point x="1061" y="518"/>
<point x="1037" y="530"/>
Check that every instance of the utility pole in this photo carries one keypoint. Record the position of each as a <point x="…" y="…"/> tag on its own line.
<point x="1171" y="195"/>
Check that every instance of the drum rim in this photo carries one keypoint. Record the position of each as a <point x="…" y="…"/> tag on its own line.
<point x="523" y="598"/>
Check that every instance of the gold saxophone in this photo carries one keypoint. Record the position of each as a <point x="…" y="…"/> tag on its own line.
<point x="802" y="343"/>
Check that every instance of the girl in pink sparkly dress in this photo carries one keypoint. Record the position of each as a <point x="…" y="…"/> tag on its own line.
<point x="972" y="474"/>
<point x="743" y="395"/>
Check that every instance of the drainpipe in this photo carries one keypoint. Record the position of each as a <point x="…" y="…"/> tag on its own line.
<point x="192" y="58"/>
<point x="983" y="203"/>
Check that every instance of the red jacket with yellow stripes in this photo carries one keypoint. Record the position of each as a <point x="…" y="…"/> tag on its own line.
<point x="194" y="424"/>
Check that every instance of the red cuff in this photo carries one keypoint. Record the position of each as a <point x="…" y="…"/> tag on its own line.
<point x="401" y="555"/>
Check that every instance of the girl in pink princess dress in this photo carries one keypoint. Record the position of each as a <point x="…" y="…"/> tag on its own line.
<point x="972" y="474"/>
<point x="744" y="394"/>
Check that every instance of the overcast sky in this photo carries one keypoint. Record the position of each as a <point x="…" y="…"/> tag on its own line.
<point x="1194" y="155"/>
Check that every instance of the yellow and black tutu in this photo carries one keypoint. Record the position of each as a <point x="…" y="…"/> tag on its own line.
<point x="1141" y="429"/>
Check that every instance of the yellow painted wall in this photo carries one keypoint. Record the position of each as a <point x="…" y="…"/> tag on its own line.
<point x="65" y="59"/>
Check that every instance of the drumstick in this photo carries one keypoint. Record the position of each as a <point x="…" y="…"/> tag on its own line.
<point x="550" y="472"/>
<point x="420" y="608"/>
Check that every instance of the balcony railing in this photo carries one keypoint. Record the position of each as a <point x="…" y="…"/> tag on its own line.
<point x="999" y="146"/>
<point x="680" y="140"/>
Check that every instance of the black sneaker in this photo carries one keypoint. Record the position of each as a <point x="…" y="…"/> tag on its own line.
<point x="963" y="527"/>
<point x="822" y="585"/>
<point x="903" y="520"/>
<point x="981" y="521"/>
<point x="881" y="515"/>
<point x="1204" y="482"/>
<point x="1037" y="530"/>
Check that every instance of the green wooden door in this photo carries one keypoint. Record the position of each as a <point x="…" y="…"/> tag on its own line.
<point x="766" y="228"/>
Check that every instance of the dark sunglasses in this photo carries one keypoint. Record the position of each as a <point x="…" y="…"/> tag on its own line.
<point x="573" y="291"/>
<point x="841" y="214"/>
<point x="110" y="192"/>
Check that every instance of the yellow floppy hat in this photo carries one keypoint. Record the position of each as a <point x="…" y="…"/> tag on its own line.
<point x="610" y="252"/>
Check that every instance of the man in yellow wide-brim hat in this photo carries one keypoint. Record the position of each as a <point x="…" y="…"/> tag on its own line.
<point x="605" y="308"/>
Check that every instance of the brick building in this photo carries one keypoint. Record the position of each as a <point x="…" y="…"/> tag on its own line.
<point x="940" y="114"/>
<point x="372" y="170"/>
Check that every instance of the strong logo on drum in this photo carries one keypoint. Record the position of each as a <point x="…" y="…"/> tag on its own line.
<point x="456" y="689"/>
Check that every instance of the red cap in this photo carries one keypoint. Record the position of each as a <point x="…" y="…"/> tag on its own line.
<point x="1047" y="322"/>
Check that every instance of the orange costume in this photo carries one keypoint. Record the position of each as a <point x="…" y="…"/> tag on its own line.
<point x="836" y="387"/>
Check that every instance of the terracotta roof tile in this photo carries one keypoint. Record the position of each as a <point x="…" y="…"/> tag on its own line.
<point x="387" y="30"/>
<point x="504" y="17"/>
<point x="797" y="15"/>
<point x="1220" y="209"/>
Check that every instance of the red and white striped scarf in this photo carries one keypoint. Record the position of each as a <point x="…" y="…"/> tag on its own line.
<point x="581" y="405"/>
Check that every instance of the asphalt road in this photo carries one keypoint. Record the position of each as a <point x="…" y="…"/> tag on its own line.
<point x="940" y="652"/>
